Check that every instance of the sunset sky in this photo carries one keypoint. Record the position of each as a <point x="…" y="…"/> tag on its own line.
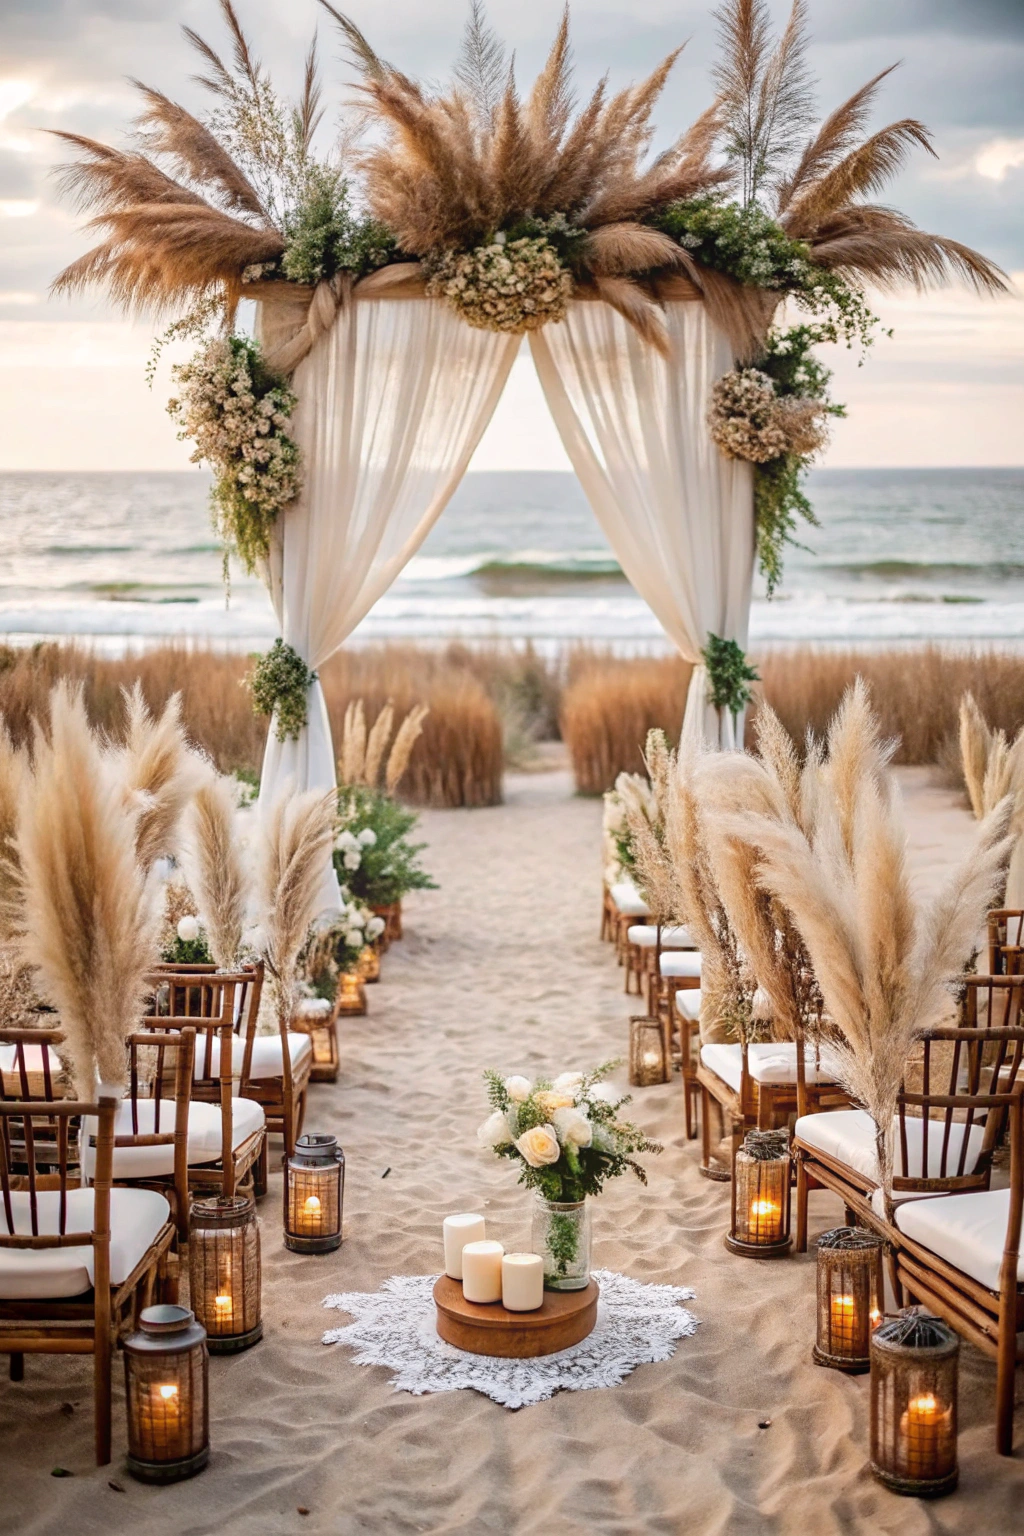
<point x="947" y="389"/>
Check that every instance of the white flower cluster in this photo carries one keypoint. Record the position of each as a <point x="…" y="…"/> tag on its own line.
<point x="241" y="435"/>
<point x="351" y="845"/>
<point x="360" y="925"/>
<point x="748" y="420"/>
<point x="518" y="285"/>
<point x="568" y="1124"/>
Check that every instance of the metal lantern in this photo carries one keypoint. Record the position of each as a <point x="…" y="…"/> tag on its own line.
<point x="914" y="1360"/>
<point x="648" y="1053"/>
<point x="314" y="1188"/>
<point x="224" y="1271"/>
<point x="760" y="1196"/>
<point x="850" y="1296"/>
<point x="322" y="1028"/>
<point x="351" y="994"/>
<point x="165" y="1372"/>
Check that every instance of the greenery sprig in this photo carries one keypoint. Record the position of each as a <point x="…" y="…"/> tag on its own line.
<point x="729" y="674"/>
<point x="279" y="681"/>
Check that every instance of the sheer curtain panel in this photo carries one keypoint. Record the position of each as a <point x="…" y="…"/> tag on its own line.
<point x="677" y="513"/>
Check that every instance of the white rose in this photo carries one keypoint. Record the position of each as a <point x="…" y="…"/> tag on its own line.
<point x="188" y="929"/>
<point x="346" y="840"/>
<point x="494" y="1131"/>
<point x="568" y="1082"/>
<point x="539" y="1146"/>
<point x="604" y="1093"/>
<point x="351" y="860"/>
<point x="375" y="927"/>
<point x="573" y="1129"/>
<point x="368" y="837"/>
<point x="353" y="938"/>
<point x="518" y="1089"/>
<point x="356" y="918"/>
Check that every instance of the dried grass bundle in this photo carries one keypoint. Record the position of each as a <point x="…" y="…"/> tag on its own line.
<point x="160" y="773"/>
<point x="353" y="744"/>
<point x="408" y="734"/>
<point x="91" y="911"/>
<point x="215" y="864"/>
<point x="19" y="1001"/>
<point x="297" y="838"/>
<point x="645" y="807"/>
<point x="884" y="963"/>
<point x="15" y="772"/>
<point x="993" y="769"/>
<point x="364" y="757"/>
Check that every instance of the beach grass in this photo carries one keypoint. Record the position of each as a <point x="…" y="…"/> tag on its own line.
<point x="490" y="705"/>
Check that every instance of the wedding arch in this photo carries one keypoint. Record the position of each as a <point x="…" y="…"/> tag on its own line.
<point x="393" y="287"/>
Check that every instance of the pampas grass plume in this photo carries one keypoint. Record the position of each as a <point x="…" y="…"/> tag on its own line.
<point x="215" y="867"/>
<point x="160" y="773"/>
<point x="91" y="911"/>
<point x="298" y="835"/>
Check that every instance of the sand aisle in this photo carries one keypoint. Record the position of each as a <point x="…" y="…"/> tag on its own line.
<point x="503" y="967"/>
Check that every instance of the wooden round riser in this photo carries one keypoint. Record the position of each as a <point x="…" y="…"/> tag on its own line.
<point x="565" y="1319"/>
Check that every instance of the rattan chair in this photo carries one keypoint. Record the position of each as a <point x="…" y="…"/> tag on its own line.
<point x="1005" y="933"/>
<point x="213" y="1004"/>
<point x="76" y="1262"/>
<point x="836" y="1150"/>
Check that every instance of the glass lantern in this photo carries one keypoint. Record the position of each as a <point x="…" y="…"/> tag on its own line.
<point x="648" y="1055"/>
<point x="760" y="1196"/>
<point x="850" y="1297"/>
<point x="369" y="963"/>
<point x="914" y="1360"/>
<point x="314" y="1188"/>
<point x="165" y="1370"/>
<point x="351" y="994"/>
<point x="224" y="1271"/>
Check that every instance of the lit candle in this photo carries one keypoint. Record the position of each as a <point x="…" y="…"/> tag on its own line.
<point x="160" y="1426"/>
<point x="223" y="1310"/>
<point x="309" y="1216"/>
<point x="764" y="1220"/>
<point x="458" y="1231"/>
<point x="481" y="1271"/>
<point x="522" y="1282"/>
<point x="843" y="1321"/>
<point x="925" y="1430"/>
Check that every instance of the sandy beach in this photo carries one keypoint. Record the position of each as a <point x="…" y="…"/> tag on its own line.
<point x="502" y="967"/>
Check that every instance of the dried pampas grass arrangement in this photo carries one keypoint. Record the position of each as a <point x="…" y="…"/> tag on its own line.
<point x="91" y="911"/>
<point x="885" y="964"/>
<point x="15" y="772"/>
<point x="215" y="865"/>
<point x="297" y="840"/>
<point x="645" y="808"/>
<point x="160" y="774"/>
<point x="993" y="768"/>
<point x="364" y="756"/>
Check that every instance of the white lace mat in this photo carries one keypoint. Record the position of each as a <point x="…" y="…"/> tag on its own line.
<point x="396" y="1327"/>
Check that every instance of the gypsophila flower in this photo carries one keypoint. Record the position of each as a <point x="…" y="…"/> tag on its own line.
<point x="511" y="285"/>
<point x="237" y="413"/>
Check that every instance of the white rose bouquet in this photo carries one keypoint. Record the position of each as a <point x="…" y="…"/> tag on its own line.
<point x="565" y="1133"/>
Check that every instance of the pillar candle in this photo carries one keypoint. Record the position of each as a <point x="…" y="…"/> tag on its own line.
<point x="481" y="1271"/>
<point x="522" y="1282"/>
<point x="458" y="1231"/>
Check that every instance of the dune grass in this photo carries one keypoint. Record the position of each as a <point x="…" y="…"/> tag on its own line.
<point x="491" y="704"/>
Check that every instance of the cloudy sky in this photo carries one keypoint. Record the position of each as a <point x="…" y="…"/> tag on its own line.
<point x="947" y="389"/>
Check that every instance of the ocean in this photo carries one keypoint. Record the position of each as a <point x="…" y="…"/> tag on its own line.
<point x="901" y="556"/>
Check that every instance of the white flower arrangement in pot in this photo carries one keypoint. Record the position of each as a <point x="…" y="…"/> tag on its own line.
<point x="568" y="1139"/>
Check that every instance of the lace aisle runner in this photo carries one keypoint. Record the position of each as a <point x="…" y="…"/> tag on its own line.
<point x="637" y="1324"/>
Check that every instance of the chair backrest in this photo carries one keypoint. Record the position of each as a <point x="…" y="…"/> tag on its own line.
<point x="30" y="1067"/>
<point x="1005" y="931"/>
<point x="949" y="1127"/>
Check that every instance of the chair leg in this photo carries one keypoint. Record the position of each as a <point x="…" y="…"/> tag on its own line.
<point x="261" y="1170"/>
<point x="1006" y="1361"/>
<point x="102" y="1400"/>
<point x="801" y="1204"/>
<point x="17" y="1366"/>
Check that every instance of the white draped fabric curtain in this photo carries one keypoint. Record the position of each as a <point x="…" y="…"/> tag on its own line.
<point x="677" y="513"/>
<point x="392" y="401"/>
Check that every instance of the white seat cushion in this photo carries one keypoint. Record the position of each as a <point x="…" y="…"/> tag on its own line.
<point x="848" y="1135"/>
<point x="688" y="1003"/>
<point x="968" y="1231"/>
<point x="628" y="899"/>
<point x="680" y="962"/>
<point x="768" y="1061"/>
<point x="266" y="1055"/>
<point x="204" y="1139"/>
<point x="645" y="936"/>
<point x="136" y="1216"/>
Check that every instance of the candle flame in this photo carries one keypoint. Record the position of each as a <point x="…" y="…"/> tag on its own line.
<point x="312" y="1206"/>
<point x="222" y="1303"/>
<point x="168" y="1392"/>
<point x="762" y="1208"/>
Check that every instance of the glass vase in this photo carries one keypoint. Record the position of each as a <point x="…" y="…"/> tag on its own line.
<point x="561" y="1235"/>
